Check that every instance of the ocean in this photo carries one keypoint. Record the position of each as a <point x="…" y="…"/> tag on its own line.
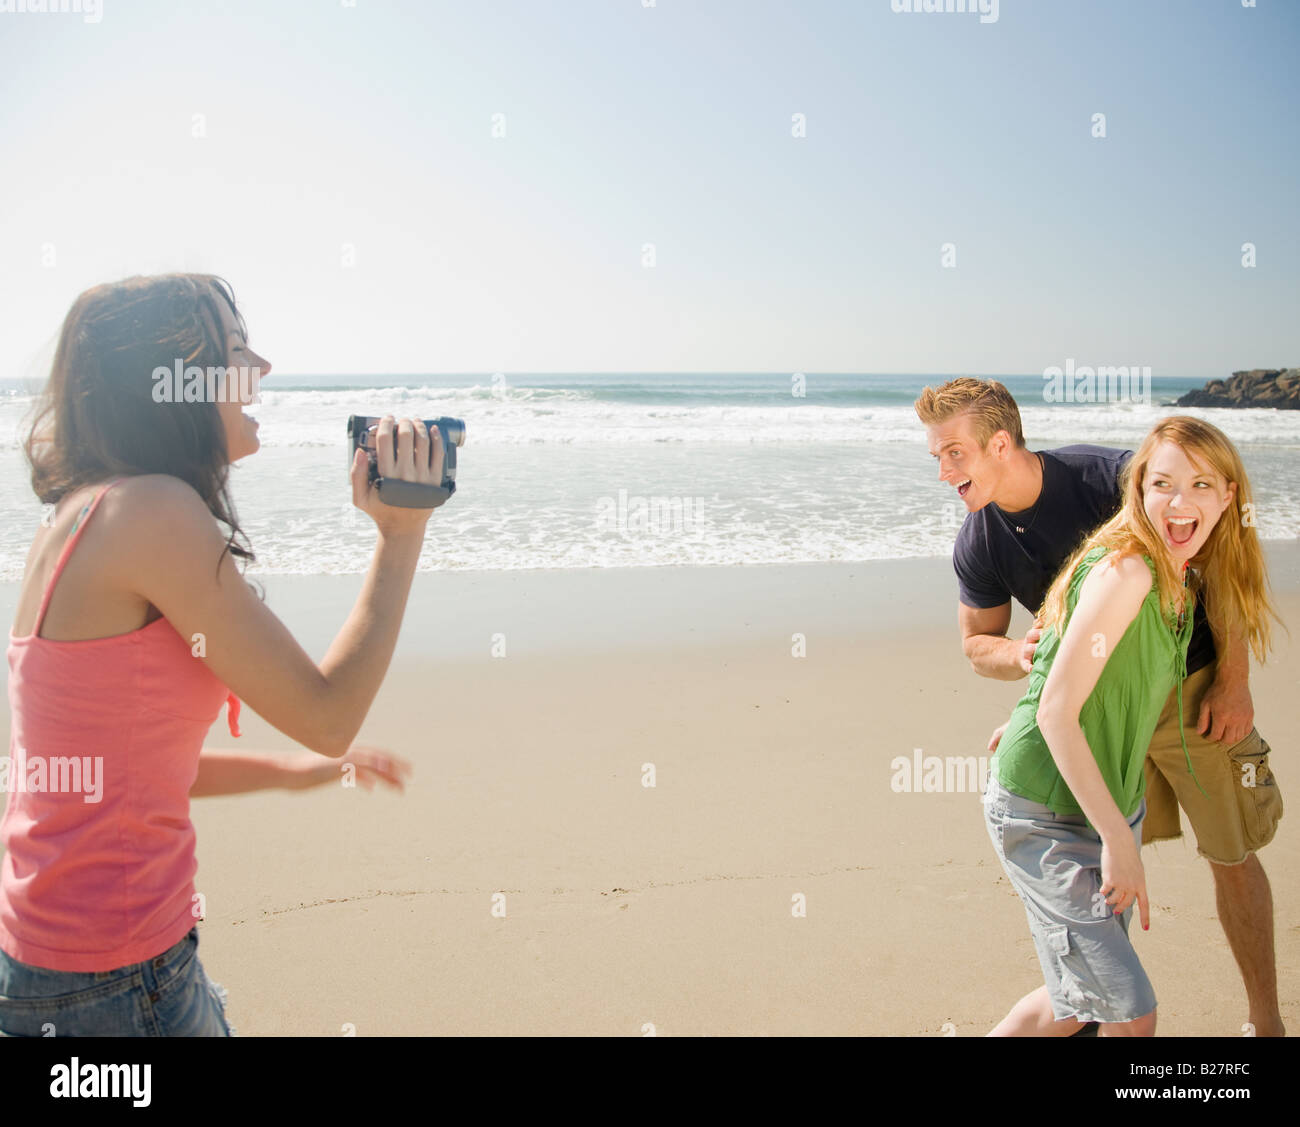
<point x="642" y="470"/>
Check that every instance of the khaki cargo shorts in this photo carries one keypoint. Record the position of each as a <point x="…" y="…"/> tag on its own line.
<point x="1244" y="805"/>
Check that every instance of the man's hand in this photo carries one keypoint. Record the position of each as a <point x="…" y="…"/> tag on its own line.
<point x="996" y="738"/>
<point x="1227" y="711"/>
<point x="1030" y="644"/>
<point x="985" y="643"/>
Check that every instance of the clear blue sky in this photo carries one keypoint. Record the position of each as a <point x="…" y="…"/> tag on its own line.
<point x="372" y="125"/>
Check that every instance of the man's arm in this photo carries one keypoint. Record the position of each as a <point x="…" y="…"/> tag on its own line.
<point x="985" y="643"/>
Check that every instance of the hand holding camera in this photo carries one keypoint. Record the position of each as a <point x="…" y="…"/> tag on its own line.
<point x="402" y="469"/>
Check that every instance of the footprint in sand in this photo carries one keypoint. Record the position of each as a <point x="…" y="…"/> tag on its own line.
<point x="619" y="892"/>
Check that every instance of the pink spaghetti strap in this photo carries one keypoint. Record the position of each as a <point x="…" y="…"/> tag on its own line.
<point x="78" y="526"/>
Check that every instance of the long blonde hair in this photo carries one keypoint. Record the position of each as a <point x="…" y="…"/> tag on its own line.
<point x="1229" y="568"/>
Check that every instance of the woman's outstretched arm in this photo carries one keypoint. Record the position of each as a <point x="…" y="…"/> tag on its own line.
<point x="224" y="771"/>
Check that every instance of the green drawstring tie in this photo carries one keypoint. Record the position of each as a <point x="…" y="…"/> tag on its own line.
<point x="1180" y="671"/>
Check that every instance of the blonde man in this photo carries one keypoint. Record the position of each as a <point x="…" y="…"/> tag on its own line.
<point x="1027" y="512"/>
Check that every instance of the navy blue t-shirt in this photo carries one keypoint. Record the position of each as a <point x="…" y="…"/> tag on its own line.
<point x="995" y="563"/>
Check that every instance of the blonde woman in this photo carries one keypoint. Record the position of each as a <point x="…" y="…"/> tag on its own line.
<point x="1066" y="791"/>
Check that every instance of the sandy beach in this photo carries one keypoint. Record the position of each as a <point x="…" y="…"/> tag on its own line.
<point x="732" y="318"/>
<point x="625" y="907"/>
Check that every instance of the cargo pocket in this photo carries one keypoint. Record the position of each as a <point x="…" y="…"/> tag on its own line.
<point x="1058" y="942"/>
<point x="1258" y="796"/>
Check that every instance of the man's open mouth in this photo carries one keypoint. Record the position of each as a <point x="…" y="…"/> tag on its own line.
<point x="963" y="487"/>
<point x="1180" y="530"/>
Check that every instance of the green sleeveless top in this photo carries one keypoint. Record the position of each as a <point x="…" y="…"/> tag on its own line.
<point x="1119" y="717"/>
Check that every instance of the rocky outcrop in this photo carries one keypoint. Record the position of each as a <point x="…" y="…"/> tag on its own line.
<point x="1262" y="387"/>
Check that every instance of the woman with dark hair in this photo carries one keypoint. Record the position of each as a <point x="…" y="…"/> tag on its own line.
<point x="133" y="627"/>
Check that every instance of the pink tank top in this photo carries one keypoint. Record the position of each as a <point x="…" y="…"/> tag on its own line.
<point x="99" y="863"/>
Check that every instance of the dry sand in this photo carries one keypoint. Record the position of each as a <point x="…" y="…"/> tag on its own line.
<point x="627" y="906"/>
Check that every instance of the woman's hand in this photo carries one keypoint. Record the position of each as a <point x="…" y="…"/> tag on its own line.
<point x="405" y="450"/>
<point x="1123" y="880"/>
<point x="369" y="766"/>
<point x="375" y="764"/>
<point x="996" y="738"/>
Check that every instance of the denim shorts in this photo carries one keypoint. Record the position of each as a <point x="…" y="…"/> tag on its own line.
<point x="1054" y="862"/>
<point x="166" y="996"/>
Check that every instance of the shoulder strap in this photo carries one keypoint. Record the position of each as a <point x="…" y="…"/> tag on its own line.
<point x="1082" y="570"/>
<point x="78" y="526"/>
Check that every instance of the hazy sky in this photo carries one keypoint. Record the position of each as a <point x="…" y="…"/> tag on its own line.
<point x="338" y="165"/>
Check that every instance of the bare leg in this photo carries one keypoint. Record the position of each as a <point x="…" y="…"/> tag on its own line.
<point x="1144" y="1026"/>
<point x="1245" y="903"/>
<point x="1032" y="1017"/>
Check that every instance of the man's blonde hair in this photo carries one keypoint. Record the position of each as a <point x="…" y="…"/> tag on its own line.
<point x="989" y="404"/>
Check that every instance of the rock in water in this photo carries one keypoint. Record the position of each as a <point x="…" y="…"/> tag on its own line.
<point x="1260" y="387"/>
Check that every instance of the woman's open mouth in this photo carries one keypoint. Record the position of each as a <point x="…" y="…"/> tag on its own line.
<point x="1180" y="530"/>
